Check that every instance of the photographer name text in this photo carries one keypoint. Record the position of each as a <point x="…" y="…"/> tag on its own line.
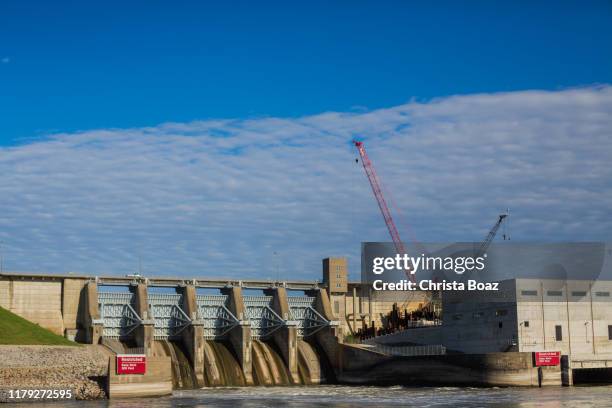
<point x="430" y="285"/>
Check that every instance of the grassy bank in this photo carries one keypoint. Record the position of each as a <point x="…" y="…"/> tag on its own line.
<point x="17" y="330"/>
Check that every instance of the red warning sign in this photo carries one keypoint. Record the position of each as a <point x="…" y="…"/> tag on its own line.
<point x="547" y="358"/>
<point x="131" y="364"/>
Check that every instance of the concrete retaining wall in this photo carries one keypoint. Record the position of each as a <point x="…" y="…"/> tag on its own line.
<point x="39" y="301"/>
<point x="156" y="382"/>
<point x="361" y="366"/>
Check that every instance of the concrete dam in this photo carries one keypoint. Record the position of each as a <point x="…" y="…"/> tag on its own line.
<point x="205" y="333"/>
<point x="215" y="339"/>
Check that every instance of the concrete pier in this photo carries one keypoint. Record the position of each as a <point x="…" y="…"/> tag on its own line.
<point x="90" y="322"/>
<point x="331" y="336"/>
<point x="144" y="333"/>
<point x="286" y="337"/>
<point x="193" y="336"/>
<point x="240" y="336"/>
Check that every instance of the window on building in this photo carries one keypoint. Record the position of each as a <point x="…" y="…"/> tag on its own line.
<point x="477" y="315"/>
<point x="602" y="294"/>
<point x="338" y="285"/>
<point x="501" y="312"/>
<point x="337" y="276"/>
<point x="526" y="323"/>
<point x="529" y="292"/>
<point x="558" y="333"/>
<point x="337" y="307"/>
<point x="579" y="293"/>
<point x="609" y="332"/>
<point x="500" y="325"/>
<point x="554" y="293"/>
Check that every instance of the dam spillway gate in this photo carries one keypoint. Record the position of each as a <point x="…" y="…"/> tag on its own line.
<point x="210" y="332"/>
<point x="304" y="312"/>
<point x="264" y="320"/>
<point x="167" y="312"/>
<point x="216" y="316"/>
<point x="119" y="314"/>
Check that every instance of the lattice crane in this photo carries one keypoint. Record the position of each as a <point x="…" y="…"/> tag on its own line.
<point x="489" y="238"/>
<point x="382" y="204"/>
<point x="386" y="213"/>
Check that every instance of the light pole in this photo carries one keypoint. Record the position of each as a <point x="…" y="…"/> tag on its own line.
<point x="277" y="266"/>
<point x="1" y="258"/>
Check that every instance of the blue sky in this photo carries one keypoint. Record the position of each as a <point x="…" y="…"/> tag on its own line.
<point x="205" y="139"/>
<point x="77" y="66"/>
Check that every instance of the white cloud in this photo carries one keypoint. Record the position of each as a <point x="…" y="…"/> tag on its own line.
<point x="217" y="198"/>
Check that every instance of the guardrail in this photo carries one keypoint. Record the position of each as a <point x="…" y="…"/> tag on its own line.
<point x="202" y="282"/>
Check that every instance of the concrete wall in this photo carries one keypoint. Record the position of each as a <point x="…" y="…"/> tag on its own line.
<point x="39" y="301"/>
<point x="157" y="380"/>
<point x="526" y="313"/>
<point x="5" y="293"/>
<point x="73" y="304"/>
<point x="56" y="303"/>
<point x="584" y="319"/>
<point x="335" y="273"/>
<point x="360" y="366"/>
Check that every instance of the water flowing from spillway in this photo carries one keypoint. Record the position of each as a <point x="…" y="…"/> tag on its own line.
<point x="310" y="366"/>
<point x="268" y="366"/>
<point x="222" y="368"/>
<point x="183" y="375"/>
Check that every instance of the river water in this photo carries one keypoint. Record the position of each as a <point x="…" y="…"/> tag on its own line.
<point x="345" y="397"/>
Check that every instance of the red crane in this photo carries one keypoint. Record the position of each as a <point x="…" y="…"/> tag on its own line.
<point x="382" y="204"/>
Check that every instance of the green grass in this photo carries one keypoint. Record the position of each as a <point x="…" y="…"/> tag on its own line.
<point x="18" y="331"/>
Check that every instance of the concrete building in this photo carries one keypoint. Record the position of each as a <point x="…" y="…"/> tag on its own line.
<point x="526" y="315"/>
<point x="356" y="304"/>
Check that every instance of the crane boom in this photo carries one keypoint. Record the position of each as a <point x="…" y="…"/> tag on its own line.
<point x="380" y="199"/>
<point x="487" y="241"/>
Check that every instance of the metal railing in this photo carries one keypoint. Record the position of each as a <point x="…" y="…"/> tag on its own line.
<point x="369" y="337"/>
<point x="411" y="351"/>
